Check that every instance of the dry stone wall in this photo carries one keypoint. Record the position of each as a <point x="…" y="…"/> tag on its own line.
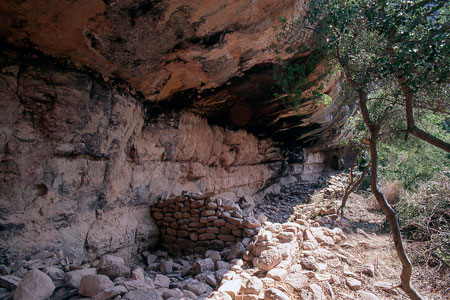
<point x="195" y="223"/>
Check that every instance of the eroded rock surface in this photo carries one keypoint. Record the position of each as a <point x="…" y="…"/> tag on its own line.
<point x="108" y="106"/>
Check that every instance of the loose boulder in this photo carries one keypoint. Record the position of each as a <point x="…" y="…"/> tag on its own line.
<point x="35" y="285"/>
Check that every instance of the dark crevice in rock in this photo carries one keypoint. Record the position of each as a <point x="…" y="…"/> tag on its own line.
<point x="30" y="56"/>
<point x="209" y="40"/>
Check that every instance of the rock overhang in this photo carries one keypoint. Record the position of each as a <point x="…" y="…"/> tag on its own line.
<point x="209" y="57"/>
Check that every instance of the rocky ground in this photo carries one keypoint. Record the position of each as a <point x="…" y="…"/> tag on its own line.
<point x="302" y="251"/>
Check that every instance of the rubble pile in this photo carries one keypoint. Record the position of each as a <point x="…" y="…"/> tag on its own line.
<point x="336" y="186"/>
<point x="292" y="260"/>
<point x="279" y="207"/>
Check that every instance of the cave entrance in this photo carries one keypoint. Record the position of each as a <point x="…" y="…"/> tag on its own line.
<point x="334" y="163"/>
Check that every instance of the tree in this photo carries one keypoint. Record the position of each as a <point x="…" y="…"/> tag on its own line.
<point x="394" y="56"/>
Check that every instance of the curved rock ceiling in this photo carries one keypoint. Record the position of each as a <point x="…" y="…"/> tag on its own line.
<point x="210" y="57"/>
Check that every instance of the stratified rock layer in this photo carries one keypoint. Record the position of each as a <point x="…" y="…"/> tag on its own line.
<point x="107" y="107"/>
<point x="80" y="167"/>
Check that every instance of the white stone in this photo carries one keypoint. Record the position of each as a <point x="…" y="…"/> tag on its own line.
<point x="317" y="292"/>
<point x="368" y="269"/>
<point x="231" y="287"/>
<point x="268" y="259"/>
<point x="353" y="284"/>
<point x="277" y="274"/>
<point x="219" y="296"/>
<point x="254" y="285"/>
<point x="296" y="280"/>
<point x="196" y="287"/>
<point x="367" y="296"/>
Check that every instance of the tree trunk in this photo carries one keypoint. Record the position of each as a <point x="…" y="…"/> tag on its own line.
<point x="351" y="187"/>
<point x="374" y="128"/>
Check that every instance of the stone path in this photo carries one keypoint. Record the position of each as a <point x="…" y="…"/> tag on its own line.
<point x="297" y="258"/>
<point x="292" y="260"/>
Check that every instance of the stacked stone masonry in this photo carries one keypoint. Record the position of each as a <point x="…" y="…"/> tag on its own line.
<point x="194" y="223"/>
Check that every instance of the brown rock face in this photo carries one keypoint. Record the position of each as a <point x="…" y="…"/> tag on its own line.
<point x="159" y="47"/>
<point x="209" y="56"/>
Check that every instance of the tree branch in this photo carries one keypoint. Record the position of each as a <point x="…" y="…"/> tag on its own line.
<point x="410" y="121"/>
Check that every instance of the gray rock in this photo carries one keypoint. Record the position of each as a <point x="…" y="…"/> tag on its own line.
<point x="113" y="267"/>
<point x="211" y="280"/>
<point x="214" y="255"/>
<point x="110" y="293"/>
<point x="203" y="265"/>
<point x="9" y="282"/>
<point x="166" y="266"/>
<point x="35" y="285"/>
<point x="5" y="294"/>
<point x="161" y="281"/>
<point x="151" y="258"/>
<point x="4" y="270"/>
<point x="196" y="287"/>
<point x="91" y="285"/>
<point x="134" y="285"/>
<point x="141" y="295"/>
<point x="64" y="293"/>
<point x="73" y="278"/>
<point x="137" y="274"/>
<point x="56" y="274"/>
<point x="236" y="251"/>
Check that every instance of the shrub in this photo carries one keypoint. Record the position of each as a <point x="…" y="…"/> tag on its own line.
<point x="425" y="216"/>
<point x="393" y="191"/>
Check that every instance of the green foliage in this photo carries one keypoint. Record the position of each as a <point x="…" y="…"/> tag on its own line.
<point x="414" y="162"/>
<point x="425" y="216"/>
<point x="292" y="80"/>
<point x="374" y="41"/>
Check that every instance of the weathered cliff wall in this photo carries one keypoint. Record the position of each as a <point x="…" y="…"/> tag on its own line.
<point x="108" y="106"/>
<point x="79" y="167"/>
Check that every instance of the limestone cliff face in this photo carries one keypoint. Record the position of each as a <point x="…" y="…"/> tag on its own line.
<point x="108" y="106"/>
<point x="80" y="167"/>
